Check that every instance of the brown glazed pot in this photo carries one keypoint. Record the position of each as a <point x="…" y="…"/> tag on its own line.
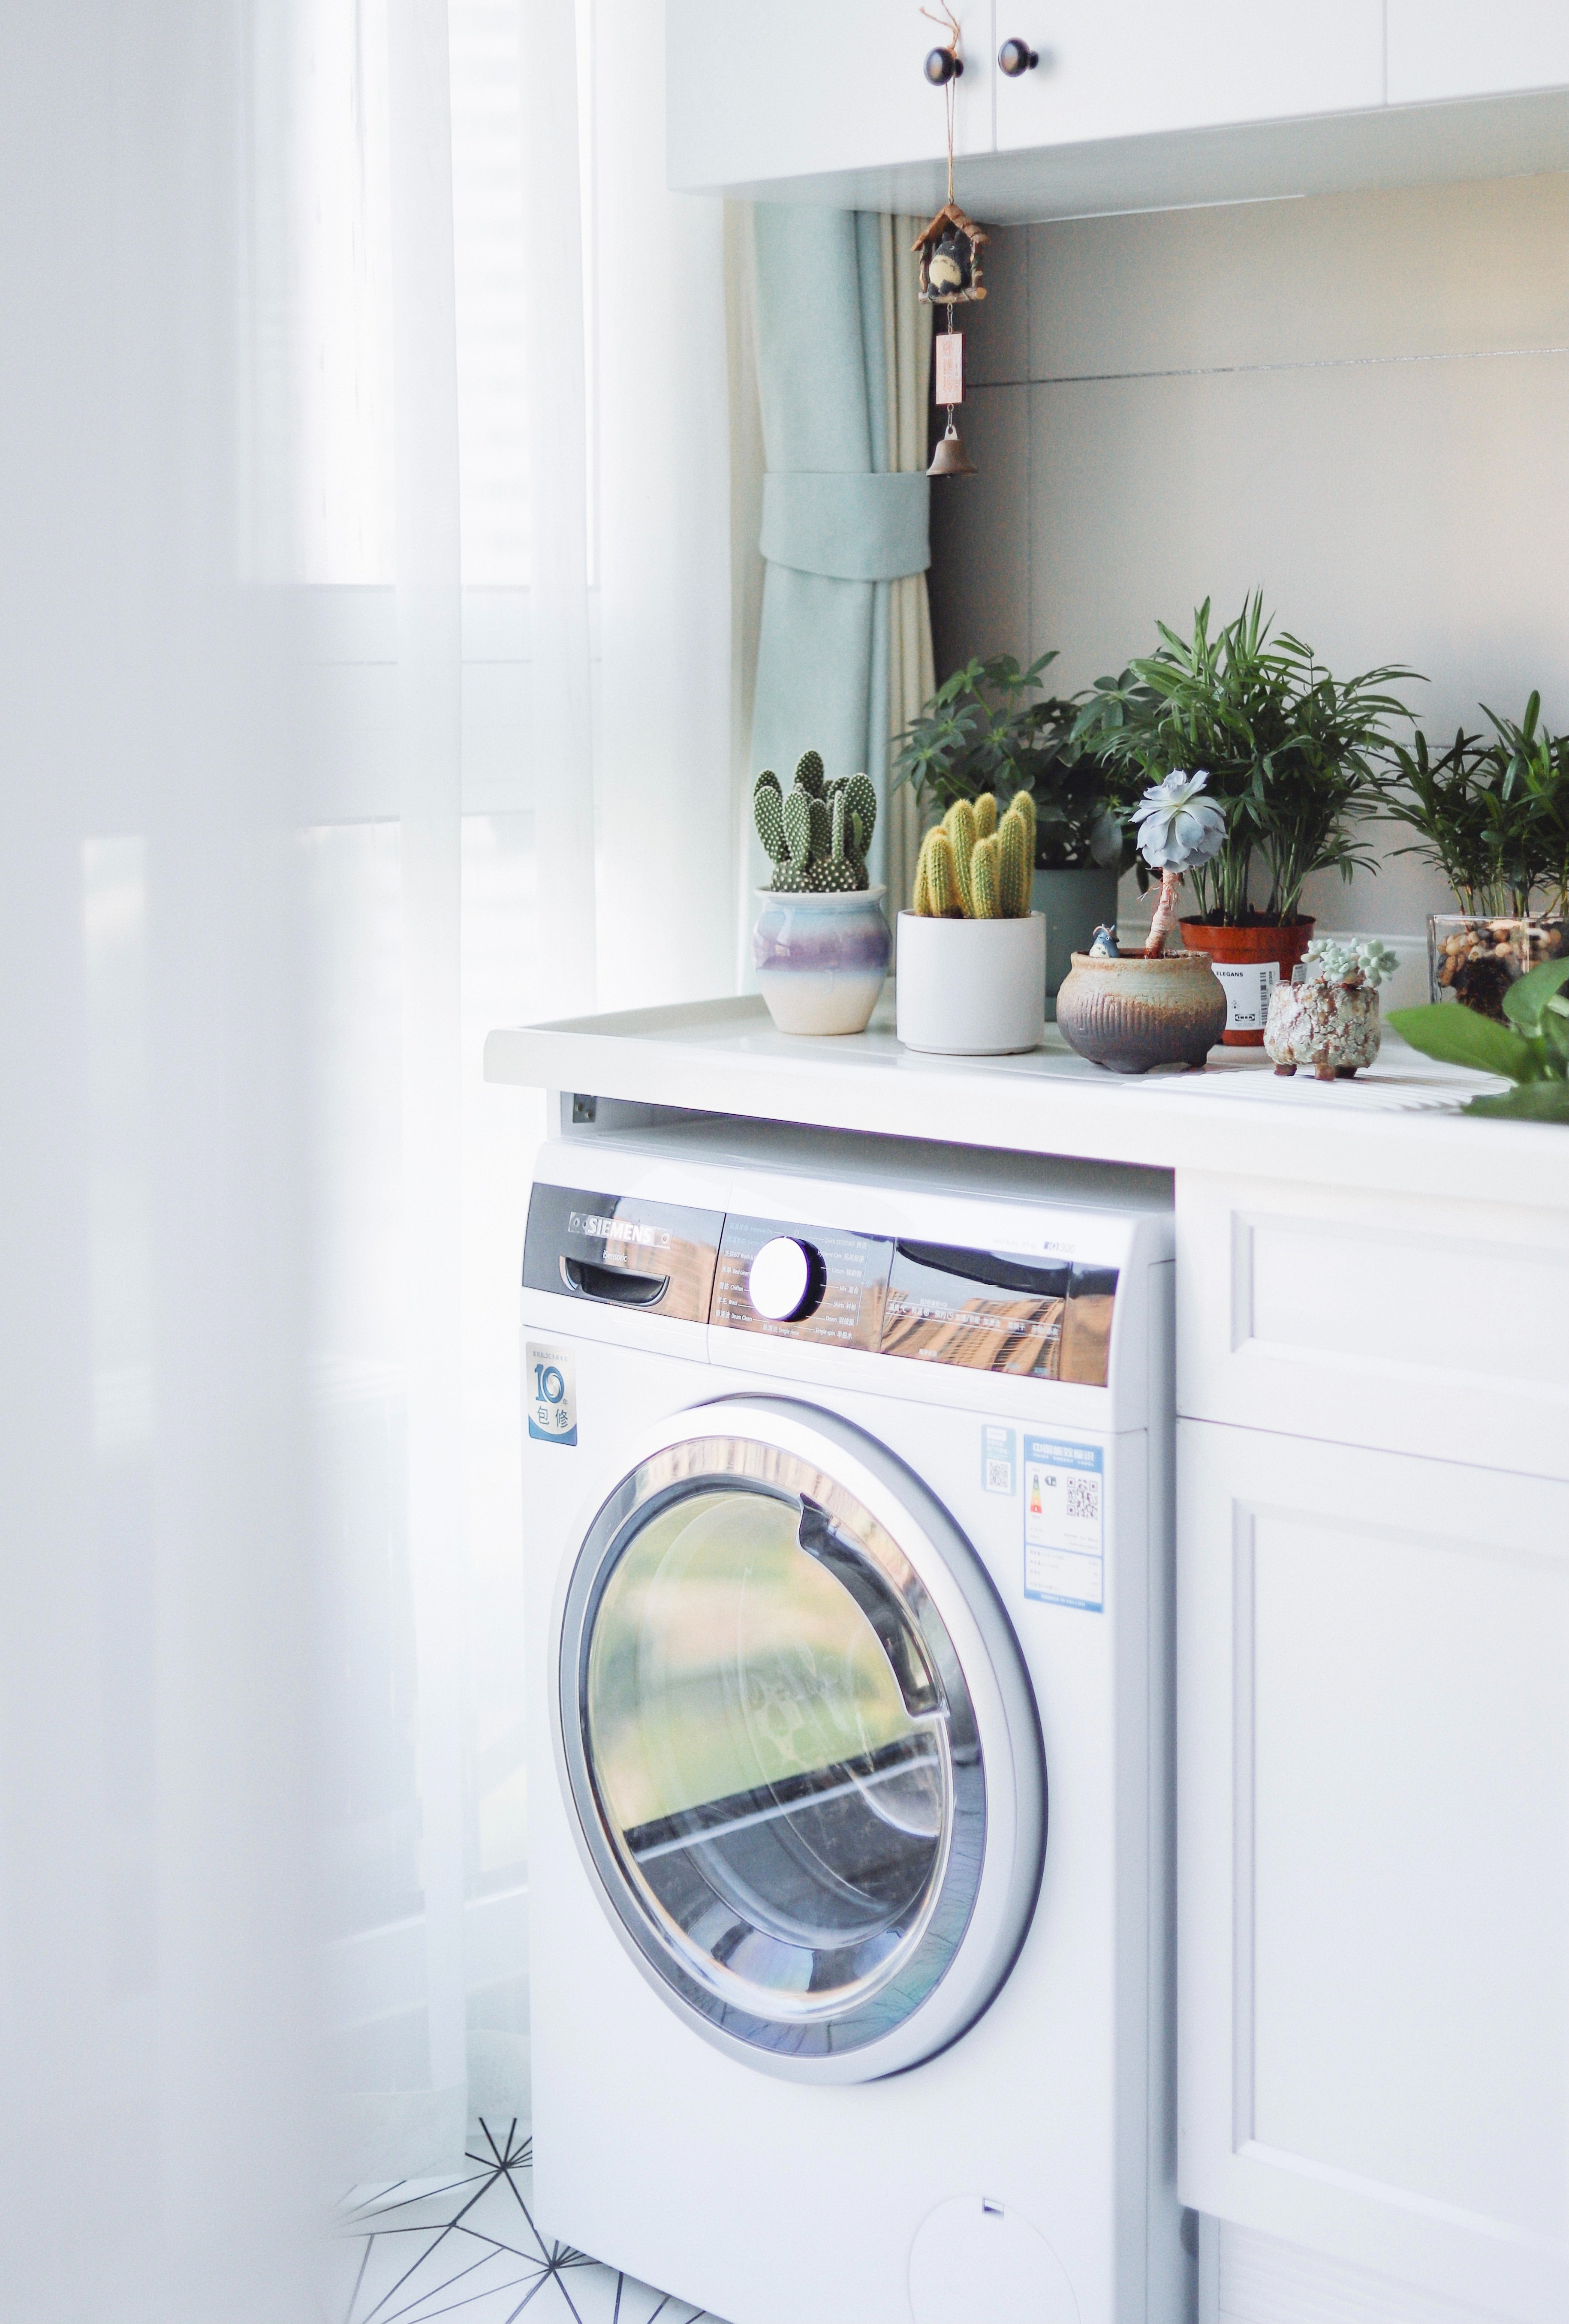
<point x="1243" y="948"/>
<point x="1133" y="1013"/>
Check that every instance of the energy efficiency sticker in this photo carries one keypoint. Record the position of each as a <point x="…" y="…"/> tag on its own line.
<point x="1065" y="1523"/>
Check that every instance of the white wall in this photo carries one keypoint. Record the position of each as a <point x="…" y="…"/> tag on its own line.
<point x="1359" y="402"/>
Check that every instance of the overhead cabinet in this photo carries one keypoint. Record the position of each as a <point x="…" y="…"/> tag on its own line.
<point x="1133" y="70"/>
<point x="1131" y="104"/>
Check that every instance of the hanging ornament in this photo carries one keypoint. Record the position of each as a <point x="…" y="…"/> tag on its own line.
<point x="949" y="251"/>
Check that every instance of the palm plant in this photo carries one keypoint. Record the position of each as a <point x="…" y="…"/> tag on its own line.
<point x="1292" y="752"/>
<point x="992" y="728"/>
<point x="1492" y="814"/>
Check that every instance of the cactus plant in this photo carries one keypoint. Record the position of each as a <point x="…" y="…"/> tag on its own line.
<point x="816" y="833"/>
<point x="976" y="865"/>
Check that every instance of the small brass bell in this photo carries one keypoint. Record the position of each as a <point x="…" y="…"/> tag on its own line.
<point x="950" y="458"/>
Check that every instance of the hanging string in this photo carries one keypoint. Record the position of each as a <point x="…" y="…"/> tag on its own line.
<point x="949" y="87"/>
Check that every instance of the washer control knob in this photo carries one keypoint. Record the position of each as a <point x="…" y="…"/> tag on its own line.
<point x="786" y="1279"/>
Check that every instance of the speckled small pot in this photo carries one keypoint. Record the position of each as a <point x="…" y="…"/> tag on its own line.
<point x="1133" y="1013"/>
<point x="820" y="960"/>
<point x="1333" y="1028"/>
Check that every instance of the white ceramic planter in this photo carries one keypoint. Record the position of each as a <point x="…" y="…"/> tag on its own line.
<point x="970" y="988"/>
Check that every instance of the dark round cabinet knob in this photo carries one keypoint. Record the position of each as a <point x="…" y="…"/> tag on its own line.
<point x="942" y="66"/>
<point x="787" y="1280"/>
<point x="1016" y="57"/>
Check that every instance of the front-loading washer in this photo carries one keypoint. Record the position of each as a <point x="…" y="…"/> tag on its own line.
<point x="848" y="1485"/>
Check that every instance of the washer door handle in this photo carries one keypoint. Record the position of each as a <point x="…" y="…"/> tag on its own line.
<point x="617" y="1286"/>
<point x="913" y="1675"/>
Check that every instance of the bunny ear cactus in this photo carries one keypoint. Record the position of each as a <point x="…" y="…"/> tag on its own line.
<point x="976" y="865"/>
<point x="816" y="834"/>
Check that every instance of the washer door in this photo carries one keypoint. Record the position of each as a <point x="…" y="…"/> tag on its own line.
<point x="801" y="1742"/>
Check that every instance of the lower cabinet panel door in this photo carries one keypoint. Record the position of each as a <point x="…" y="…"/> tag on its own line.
<point x="1373" y="1853"/>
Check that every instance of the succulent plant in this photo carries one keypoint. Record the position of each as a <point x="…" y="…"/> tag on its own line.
<point x="816" y="833"/>
<point x="1330" y="961"/>
<point x="974" y="866"/>
<point x="1178" y="829"/>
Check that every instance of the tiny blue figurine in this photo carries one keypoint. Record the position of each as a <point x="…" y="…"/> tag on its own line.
<point x="1103" y="944"/>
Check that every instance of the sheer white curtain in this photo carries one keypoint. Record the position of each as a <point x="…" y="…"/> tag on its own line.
<point x="364" y="664"/>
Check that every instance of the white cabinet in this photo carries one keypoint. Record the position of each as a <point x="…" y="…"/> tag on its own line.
<point x="755" y="93"/>
<point x="1126" y="67"/>
<point x="1453" y="48"/>
<point x="1403" y="1321"/>
<point x="1373" y="1940"/>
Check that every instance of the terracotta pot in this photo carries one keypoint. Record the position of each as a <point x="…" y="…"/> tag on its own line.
<point x="1133" y="1013"/>
<point x="1250" y="963"/>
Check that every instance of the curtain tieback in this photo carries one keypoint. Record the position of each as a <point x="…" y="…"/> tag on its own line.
<point x="851" y="528"/>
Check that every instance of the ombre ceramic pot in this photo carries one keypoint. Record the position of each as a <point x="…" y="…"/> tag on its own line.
<point x="970" y="988"/>
<point x="1135" y="1013"/>
<point x="821" y="960"/>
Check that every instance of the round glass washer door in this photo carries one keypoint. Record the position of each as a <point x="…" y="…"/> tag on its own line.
<point x="772" y="1734"/>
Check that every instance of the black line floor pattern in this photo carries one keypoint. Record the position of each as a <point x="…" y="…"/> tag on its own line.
<point x="466" y="2247"/>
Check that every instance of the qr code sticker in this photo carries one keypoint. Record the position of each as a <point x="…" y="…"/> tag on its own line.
<point x="1083" y="1498"/>
<point x="998" y="1476"/>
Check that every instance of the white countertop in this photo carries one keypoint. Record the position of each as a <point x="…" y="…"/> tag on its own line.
<point x="1397" y="1126"/>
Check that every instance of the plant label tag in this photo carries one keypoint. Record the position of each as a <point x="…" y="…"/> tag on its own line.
<point x="550" y="1389"/>
<point x="950" y="347"/>
<point x="996" y="1460"/>
<point x="1248" y="986"/>
<point x="1065" y="1523"/>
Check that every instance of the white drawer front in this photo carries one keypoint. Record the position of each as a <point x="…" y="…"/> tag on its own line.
<point x="1373" y="1853"/>
<point x="1412" y="1325"/>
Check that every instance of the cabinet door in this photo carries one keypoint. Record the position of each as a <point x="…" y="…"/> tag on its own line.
<point x="1373" y="1861"/>
<point x="1123" y="68"/>
<point x="1453" y="48"/>
<point x="757" y="93"/>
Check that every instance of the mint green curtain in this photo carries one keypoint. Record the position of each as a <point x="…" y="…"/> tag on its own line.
<point x="838" y="528"/>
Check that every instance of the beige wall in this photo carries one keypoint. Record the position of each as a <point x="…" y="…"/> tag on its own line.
<point x="1360" y="403"/>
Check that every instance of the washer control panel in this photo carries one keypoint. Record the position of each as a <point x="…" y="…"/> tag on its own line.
<point x="1035" y="1316"/>
<point x="812" y="1283"/>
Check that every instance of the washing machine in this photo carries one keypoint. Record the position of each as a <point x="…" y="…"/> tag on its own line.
<point x="847" y="1510"/>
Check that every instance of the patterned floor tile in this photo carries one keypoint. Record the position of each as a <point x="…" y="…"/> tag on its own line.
<point x="466" y="2247"/>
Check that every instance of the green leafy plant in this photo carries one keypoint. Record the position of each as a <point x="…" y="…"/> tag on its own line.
<point x="1292" y="752"/>
<point x="1531" y="1049"/>
<point x="991" y="728"/>
<point x="974" y="866"/>
<point x="817" y="833"/>
<point x="1492" y="813"/>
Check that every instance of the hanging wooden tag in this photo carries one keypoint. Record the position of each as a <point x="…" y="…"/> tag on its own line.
<point x="950" y="368"/>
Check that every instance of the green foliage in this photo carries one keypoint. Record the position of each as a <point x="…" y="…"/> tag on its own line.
<point x="1291" y="751"/>
<point x="974" y="866"/>
<point x="985" y="731"/>
<point x="817" y="834"/>
<point x="1493" y="815"/>
<point x="1532" y="1050"/>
